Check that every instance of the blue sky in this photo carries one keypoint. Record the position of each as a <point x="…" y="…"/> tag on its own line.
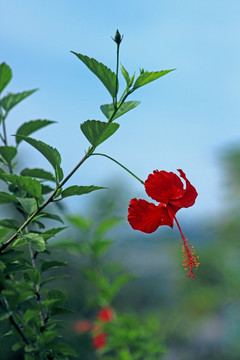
<point x="185" y="119"/>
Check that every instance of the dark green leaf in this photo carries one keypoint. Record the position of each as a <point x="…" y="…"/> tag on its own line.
<point x="11" y="256"/>
<point x="38" y="173"/>
<point x="50" y="153"/>
<point x="52" y="216"/>
<point x="31" y="186"/>
<point x="36" y="241"/>
<point x="5" y="316"/>
<point x="79" y="190"/>
<point x="108" y="109"/>
<point x="107" y="77"/>
<point x="7" y="198"/>
<point x="57" y="295"/>
<point x="97" y="131"/>
<point x="53" y="278"/>
<point x="9" y="223"/>
<point x="146" y="77"/>
<point x="4" y="234"/>
<point x="52" y="232"/>
<point x="10" y="100"/>
<point x="29" y="205"/>
<point x="5" y="75"/>
<point x="60" y="311"/>
<point x="46" y="189"/>
<point x="31" y="126"/>
<point x="8" y="153"/>
<point x="52" y="265"/>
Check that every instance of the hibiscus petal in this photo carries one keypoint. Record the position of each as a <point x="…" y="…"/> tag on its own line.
<point x="162" y="186"/>
<point x="189" y="195"/>
<point x="147" y="217"/>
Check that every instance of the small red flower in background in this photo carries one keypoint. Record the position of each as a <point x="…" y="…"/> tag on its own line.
<point x="99" y="341"/>
<point x="83" y="326"/>
<point x="167" y="189"/>
<point x="105" y="314"/>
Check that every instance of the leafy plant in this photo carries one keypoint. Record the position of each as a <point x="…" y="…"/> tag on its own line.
<point x="25" y="302"/>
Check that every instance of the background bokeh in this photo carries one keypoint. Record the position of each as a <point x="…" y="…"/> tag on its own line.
<point x="188" y="119"/>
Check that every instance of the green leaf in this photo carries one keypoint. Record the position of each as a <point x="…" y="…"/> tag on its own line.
<point x="105" y="75"/>
<point x="31" y="126"/>
<point x="2" y="173"/>
<point x="18" y="345"/>
<point x="80" y="190"/>
<point x="119" y="282"/>
<point x="50" y="153"/>
<point x="97" y="131"/>
<point x="38" y="173"/>
<point x="126" y="75"/>
<point x="46" y="265"/>
<point x="62" y="349"/>
<point x="5" y="75"/>
<point x="7" y="198"/>
<point x="10" y="100"/>
<point x="8" y="153"/>
<point x="108" y="109"/>
<point x="29" y="315"/>
<point x="100" y="247"/>
<point x="31" y="186"/>
<point x="35" y="276"/>
<point x="47" y="336"/>
<point x="29" y="205"/>
<point x="107" y="224"/>
<point x="36" y="241"/>
<point x="79" y="222"/>
<point x="146" y="77"/>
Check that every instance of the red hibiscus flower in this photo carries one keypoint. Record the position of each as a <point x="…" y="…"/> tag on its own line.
<point x="167" y="189"/>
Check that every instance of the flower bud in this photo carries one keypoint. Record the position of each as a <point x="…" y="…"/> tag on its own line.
<point x="118" y="38"/>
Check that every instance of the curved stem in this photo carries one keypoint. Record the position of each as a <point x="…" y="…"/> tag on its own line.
<point x="50" y="199"/>
<point x="124" y="167"/>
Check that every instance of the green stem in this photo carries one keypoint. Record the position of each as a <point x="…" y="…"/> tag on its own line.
<point x="124" y="167"/>
<point x="50" y="199"/>
<point x="4" y="130"/>
<point x="116" y="85"/>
